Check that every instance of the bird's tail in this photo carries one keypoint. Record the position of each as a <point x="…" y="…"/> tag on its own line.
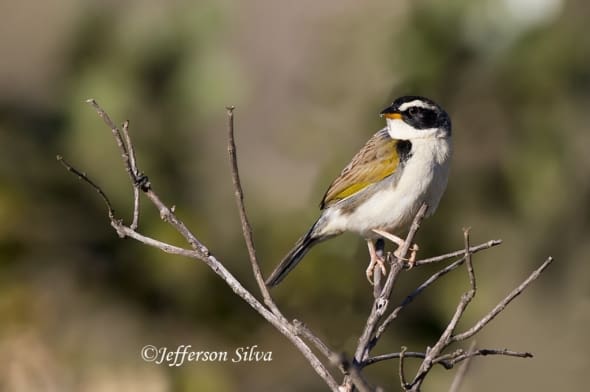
<point x="291" y="260"/>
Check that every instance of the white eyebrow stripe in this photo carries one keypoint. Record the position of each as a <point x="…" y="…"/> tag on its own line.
<point x="415" y="103"/>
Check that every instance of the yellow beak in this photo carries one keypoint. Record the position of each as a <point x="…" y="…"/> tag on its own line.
<point x="392" y="116"/>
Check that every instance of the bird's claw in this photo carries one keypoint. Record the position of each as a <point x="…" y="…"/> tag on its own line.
<point x="400" y="244"/>
<point x="410" y="260"/>
<point x="375" y="262"/>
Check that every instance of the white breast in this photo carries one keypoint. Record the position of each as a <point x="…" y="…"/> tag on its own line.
<point x="392" y="208"/>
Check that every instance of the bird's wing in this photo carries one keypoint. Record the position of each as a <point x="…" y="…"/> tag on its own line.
<point x="379" y="158"/>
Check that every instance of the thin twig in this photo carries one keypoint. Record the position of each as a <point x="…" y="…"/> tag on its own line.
<point x="401" y="372"/>
<point x="472" y="250"/>
<point x="82" y="176"/>
<point x="502" y="305"/>
<point x="448" y="361"/>
<point x="131" y="152"/>
<point x="460" y="376"/>
<point x="388" y="356"/>
<point x="117" y="134"/>
<point x="469" y="264"/>
<point x="129" y="147"/>
<point x="388" y="287"/>
<point x="246" y="227"/>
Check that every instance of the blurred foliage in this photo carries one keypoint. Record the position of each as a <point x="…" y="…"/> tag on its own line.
<point x="77" y="303"/>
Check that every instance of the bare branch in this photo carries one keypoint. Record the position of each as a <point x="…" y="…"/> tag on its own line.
<point x="199" y="251"/>
<point x="246" y="227"/>
<point x="502" y="305"/>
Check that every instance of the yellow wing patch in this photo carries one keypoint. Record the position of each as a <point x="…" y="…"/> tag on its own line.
<point x="376" y="160"/>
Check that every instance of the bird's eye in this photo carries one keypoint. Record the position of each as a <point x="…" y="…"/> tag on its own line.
<point x="413" y="111"/>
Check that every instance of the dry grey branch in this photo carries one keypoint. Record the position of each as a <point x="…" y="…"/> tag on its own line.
<point x="199" y="251"/>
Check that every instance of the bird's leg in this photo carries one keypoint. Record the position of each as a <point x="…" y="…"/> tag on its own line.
<point x="376" y="260"/>
<point x="400" y="243"/>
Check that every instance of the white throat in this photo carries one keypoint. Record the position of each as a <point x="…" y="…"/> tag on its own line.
<point x="399" y="130"/>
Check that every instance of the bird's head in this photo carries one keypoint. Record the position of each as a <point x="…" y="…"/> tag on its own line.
<point x="413" y="117"/>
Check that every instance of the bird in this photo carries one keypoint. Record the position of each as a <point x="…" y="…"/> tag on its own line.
<point x="377" y="195"/>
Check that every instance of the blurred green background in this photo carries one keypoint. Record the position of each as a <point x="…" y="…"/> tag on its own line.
<point x="308" y="79"/>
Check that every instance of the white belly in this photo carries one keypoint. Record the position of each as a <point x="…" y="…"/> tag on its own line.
<point x="392" y="208"/>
